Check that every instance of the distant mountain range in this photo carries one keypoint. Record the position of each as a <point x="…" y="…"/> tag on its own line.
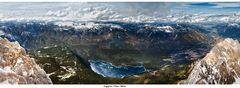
<point x="162" y="48"/>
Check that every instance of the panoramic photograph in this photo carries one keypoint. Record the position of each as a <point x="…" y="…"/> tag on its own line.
<point x="120" y="43"/>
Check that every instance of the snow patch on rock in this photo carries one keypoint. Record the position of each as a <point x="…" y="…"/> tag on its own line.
<point x="18" y="68"/>
<point x="219" y="66"/>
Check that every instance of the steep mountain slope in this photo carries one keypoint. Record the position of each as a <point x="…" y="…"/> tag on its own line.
<point x="18" y="68"/>
<point x="120" y="43"/>
<point x="64" y="67"/>
<point x="220" y="66"/>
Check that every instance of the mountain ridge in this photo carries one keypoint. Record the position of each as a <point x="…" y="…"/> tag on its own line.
<point x="16" y="67"/>
<point x="220" y="66"/>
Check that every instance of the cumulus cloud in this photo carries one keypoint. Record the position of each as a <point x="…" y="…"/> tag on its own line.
<point x="144" y="8"/>
<point x="136" y="11"/>
<point x="1" y="15"/>
<point x="123" y="8"/>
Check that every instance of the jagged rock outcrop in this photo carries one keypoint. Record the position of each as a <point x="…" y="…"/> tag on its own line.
<point x="220" y="66"/>
<point x="16" y="67"/>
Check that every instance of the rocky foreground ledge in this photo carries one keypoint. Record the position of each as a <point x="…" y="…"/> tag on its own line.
<point x="16" y="67"/>
<point x="220" y="66"/>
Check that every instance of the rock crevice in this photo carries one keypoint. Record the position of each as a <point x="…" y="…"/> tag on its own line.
<point x="16" y="67"/>
<point x="220" y="66"/>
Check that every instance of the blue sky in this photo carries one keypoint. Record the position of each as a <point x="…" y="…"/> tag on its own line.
<point x="219" y="8"/>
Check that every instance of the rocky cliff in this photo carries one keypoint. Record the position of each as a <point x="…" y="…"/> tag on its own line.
<point x="16" y="67"/>
<point x="220" y="66"/>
